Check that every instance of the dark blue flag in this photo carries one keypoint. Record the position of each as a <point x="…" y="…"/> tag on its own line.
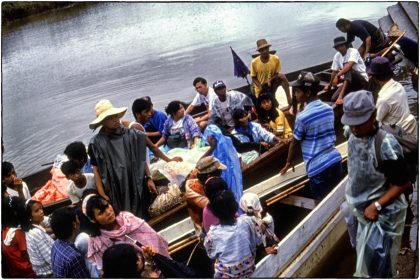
<point x="239" y="67"/>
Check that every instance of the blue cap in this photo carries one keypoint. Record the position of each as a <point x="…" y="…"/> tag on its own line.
<point x="358" y="107"/>
<point x="380" y="66"/>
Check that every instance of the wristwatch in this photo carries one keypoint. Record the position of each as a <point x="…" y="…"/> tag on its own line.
<point x="378" y="206"/>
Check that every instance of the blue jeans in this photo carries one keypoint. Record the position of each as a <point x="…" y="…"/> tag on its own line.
<point x="322" y="183"/>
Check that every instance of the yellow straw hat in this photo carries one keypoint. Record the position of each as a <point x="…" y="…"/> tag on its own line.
<point x="105" y="109"/>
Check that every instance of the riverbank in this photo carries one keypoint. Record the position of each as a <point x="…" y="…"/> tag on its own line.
<point x="13" y="11"/>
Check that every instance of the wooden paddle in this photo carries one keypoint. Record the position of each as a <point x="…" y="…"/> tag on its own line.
<point x="393" y="44"/>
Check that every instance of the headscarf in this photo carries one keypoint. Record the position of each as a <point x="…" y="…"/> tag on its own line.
<point x="250" y="204"/>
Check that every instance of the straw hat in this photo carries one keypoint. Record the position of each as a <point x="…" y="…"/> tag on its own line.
<point x="105" y="109"/>
<point x="262" y="43"/>
<point x="394" y="31"/>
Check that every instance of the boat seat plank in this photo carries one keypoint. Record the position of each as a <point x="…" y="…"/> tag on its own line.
<point x="398" y="16"/>
<point x="300" y="201"/>
<point x="290" y="246"/>
<point x="411" y="8"/>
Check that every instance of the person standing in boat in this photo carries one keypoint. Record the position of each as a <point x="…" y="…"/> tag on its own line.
<point x="205" y="95"/>
<point x="374" y="193"/>
<point x="224" y="105"/>
<point x="266" y="73"/>
<point x="180" y="130"/>
<point x="118" y="156"/>
<point x="348" y="66"/>
<point x="314" y="132"/>
<point x="373" y="39"/>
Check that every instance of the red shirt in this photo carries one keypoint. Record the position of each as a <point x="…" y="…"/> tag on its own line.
<point x="16" y="255"/>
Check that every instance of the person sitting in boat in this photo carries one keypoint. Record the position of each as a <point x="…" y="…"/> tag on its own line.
<point x="76" y="151"/>
<point x="142" y="109"/>
<point x="118" y="156"/>
<point x="232" y="243"/>
<point x="374" y="193"/>
<point x="195" y="196"/>
<point x="349" y="67"/>
<point x="314" y="132"/>
<point x="14" y="185"/>
<point x="109" y="226"/>
<point x="151" y="119"/>
<point x="374" y="41"/>
<point x="66" y="260"/>
<point x="409" y="47"/>
<point x="205" y="95"/>
<point x="266" y="73"/>
<point x="13" y="243"/>
<point x="251" y="206"/>
<point x="224" y="104"/>
<point x="180" y="130"/>
<point x="78" y="182"/>
<point x="272" y="118"/>
<point x="251" y="132"/>
<point x="39" y="241"/>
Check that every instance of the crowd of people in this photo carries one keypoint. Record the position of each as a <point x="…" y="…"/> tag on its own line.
<point x="104" y="233"/>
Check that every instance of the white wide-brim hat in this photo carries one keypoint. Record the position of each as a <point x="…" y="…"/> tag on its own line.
<point x="105" y="109"/>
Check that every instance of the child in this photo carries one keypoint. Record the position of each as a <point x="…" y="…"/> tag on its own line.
<point x="79" y="182"/>
<point x="251" y="206"/>
<point x="38" y="241"/>
<point x="13" y="245"/>
<point x="233" y="242"/>
<point x="14" y="185"/>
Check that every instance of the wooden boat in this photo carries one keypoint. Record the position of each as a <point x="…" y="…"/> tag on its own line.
<point x="265" y="165"/>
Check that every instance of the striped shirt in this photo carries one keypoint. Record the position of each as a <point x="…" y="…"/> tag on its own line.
<point x="233" y="247"/>
<point x="39" y="245"/>
<point x="314" y="128"/>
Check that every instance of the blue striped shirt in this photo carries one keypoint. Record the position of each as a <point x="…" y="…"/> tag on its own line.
<point x="314" y="128"/>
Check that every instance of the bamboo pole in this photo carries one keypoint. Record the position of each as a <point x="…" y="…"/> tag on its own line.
<point x="393" y="44"/>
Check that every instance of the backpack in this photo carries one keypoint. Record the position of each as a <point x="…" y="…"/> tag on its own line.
<point x="408" y="143"/>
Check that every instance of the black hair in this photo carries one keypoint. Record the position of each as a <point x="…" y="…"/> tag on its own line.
<point x="120" y="261"/>
<point x="199" y="80"/>
<point x="384" y="77"/>
<point x="141" y="104"/>
<point x="214" y="185"/>
<point x="62" y="222"/>
<point x="12" y="209"/>
<point x="263" y="115"/>
<point x="238" y="114"/>
<point x="204" y="176"/>
<point x="76" y="151"/>
<point x="27" y="215"/>
<point x="173" y="107"/>
<point x="69" y="167"/>
<point x="312" y="88"/>
<point x="342" y="22"/>
<point x="6" y="169"/>
<point x="224" y="206"/>
<point x="96" y="202"/>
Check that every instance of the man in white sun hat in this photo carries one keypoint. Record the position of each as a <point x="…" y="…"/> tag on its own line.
<point x="118" y="157"/>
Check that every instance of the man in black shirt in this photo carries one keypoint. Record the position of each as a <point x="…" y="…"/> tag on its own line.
<point x="373" y="39"/>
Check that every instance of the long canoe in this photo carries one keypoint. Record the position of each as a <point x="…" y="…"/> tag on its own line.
<point x="265" y="166"/>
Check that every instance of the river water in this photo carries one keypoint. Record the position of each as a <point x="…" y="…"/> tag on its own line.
<point x="55" y="67"/>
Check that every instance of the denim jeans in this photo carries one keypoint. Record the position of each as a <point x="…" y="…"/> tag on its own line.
<point x="322" y="183"/>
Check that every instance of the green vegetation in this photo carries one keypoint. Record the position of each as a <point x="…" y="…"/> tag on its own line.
<point x="11" y="11"/>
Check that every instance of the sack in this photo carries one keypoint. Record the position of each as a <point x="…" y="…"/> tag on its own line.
<point x="169" y="196"/>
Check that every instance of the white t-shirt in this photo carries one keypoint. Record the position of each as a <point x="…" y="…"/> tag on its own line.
<point x="207" y="100"/>
<point x="177" y="127"/>
<point x="25" y="190"/>
<point x="75" y="193"/>
<point x="226" y="114"/>
<point x="351" y="55"/>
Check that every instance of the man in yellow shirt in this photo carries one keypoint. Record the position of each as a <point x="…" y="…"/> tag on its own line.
<point x="266" y="72"/>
